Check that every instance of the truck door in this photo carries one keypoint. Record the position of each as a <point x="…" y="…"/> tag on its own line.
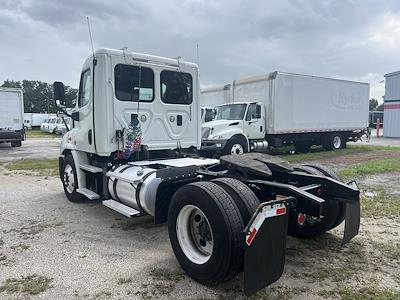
<point x="84" y="137"/>
<point x="254" y="124"/>
<point x="162" y="100"/>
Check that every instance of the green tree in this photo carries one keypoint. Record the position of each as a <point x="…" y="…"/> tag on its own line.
<point x="38" y="95"/>
<point x="373" y="104"/>
<point x="11" y="84"/>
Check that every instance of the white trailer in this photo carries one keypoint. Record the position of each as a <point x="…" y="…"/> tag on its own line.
<point x="135" y="131"/>
<point x="11" y="116"/>
<point x="282" y="108"/>
<point x="212" y="97"/>
<point x="391" y="106"/>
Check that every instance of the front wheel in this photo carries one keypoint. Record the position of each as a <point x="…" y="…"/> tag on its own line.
<point x="205" y="230"/>
<point x="235" y="146"/>
<point x="70" y="180"/>
<point x="16" y="144"/>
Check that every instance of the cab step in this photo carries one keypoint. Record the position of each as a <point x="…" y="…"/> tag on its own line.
<point x="121" y="208"/>
<point x="90" y="168"/>
<point x="88" y="193"/>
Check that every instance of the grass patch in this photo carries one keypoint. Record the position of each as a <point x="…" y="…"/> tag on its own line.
<point x="166" y="274"/>
<point x="382" y="204"/>
<point x="374" y="166"/>
<point x="102" y="294"/>
<point x="123" y="280"/>
<point x="44" y="166"/>
<point x="37" y="133"/>
<point x="365" y="293"/>
<point x="32" y="284"/>
<point x="318" y="153"/>
<point x="33" y="229"/>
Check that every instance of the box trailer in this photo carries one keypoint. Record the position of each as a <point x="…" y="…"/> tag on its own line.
<point x="282" y="108"/>
<point x="392" y="105"/>
<point x="11" y="116"/>
<point x="224" y="215"/>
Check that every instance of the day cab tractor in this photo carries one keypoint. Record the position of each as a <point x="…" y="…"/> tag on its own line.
<point x="134" y="143"/>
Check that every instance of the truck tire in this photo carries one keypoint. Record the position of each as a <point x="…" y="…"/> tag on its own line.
<point x="70" y="180"/>
<point x="303" y="226"/>
<point x="342" y="206"/>
<point x="205" y="230"/>
<point x="16" y="143"/>
<point x="245" y="199"/>
<point x="235" y="146"/>
<point x="333" y="141"/>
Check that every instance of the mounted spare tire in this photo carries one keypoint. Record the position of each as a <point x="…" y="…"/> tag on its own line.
<point x="305" y="226"/>
<point x="205" y="230"/>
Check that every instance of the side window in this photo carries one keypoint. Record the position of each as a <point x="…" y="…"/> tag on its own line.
<point x="85" y="89"/>
<point x="252" y="112"/>
<point x="134" y="83"/>
<point x="176" y="87"/>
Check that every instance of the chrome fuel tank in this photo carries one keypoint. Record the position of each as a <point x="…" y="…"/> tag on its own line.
<point x="134" y="186"/>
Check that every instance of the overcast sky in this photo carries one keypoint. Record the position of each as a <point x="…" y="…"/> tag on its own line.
<point x="358" y="40"/>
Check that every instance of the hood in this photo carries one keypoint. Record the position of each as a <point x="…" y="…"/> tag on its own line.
<point x="219" y="128"/>
<point x="219" y="123"/>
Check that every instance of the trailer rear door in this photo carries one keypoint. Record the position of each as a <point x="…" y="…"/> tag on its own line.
<point x="12" y="109"/>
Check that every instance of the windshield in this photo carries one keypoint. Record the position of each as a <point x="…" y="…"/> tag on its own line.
<point x="230" y="112"/>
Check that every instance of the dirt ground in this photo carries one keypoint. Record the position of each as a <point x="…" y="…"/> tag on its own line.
<point x="87" y="251"/>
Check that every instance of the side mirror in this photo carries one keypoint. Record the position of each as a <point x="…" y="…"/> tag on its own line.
<point x="258" y="112"/>
<point x="59" y="93"/>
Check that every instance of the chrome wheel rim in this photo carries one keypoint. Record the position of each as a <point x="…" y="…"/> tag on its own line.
<point x="194" y="234"/>
<point x="69" y="179"/>
<point x="337" y="142"/>
<point x="237" y="149"/>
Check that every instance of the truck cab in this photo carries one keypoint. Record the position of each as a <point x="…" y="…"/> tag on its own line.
<point x="235" y="127"/>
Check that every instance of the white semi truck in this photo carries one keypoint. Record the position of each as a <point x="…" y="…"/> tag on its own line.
<point x="12" y="116"/>
<point x="281" y="109"/>
<point x="133" y="145"/>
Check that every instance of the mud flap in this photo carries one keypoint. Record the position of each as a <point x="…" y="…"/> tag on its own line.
<point x="265" y="245"/>
<point x="352" y="220"/>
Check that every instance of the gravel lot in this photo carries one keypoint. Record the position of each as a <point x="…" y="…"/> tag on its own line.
<point x="86" y="251"/>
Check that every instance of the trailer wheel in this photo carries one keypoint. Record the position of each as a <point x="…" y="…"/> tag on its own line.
<point x="333" y="141"/>
<point x="70" y="180"/>
<point x="342" y="206"/>
<point x="205" y="230"/>
<point x="305" y="226"/>
<point x="235" y="146"/>
<point x="244" y="197"/>
<point x="16" y="143"/>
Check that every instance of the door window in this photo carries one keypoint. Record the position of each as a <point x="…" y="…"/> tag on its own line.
<point x="134" y="83"/>
<point x="85" y="89"/>
<point x="252" y="112"/>
<point x="176" y="87"/>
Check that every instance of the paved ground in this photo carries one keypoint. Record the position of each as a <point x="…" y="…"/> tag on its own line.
<point x="31" y="148"/>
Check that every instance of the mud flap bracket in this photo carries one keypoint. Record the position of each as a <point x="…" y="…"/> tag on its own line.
<point x="265" y="245"/>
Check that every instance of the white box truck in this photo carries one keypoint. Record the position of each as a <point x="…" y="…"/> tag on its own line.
<point x="212" y="97"/>
<point x="282" y="109"/>
<point x="132" y="146"/>
<point x="11" y="116"/>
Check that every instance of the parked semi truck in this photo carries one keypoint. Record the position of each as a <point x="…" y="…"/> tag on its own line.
<point x="133" y="145"/>
<point x="11" y="116"/>
<point x="281" y="109"/>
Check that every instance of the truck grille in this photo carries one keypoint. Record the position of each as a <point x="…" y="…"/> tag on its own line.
<point x="205" y="132"/>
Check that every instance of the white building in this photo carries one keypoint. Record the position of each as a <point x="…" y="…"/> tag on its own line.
<point x="392" y="105"/>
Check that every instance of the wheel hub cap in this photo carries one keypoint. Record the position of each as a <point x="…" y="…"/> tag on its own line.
<point x="69" y="180"/>
<point x="194" y="234"/>
<point x="237" y="149"/>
